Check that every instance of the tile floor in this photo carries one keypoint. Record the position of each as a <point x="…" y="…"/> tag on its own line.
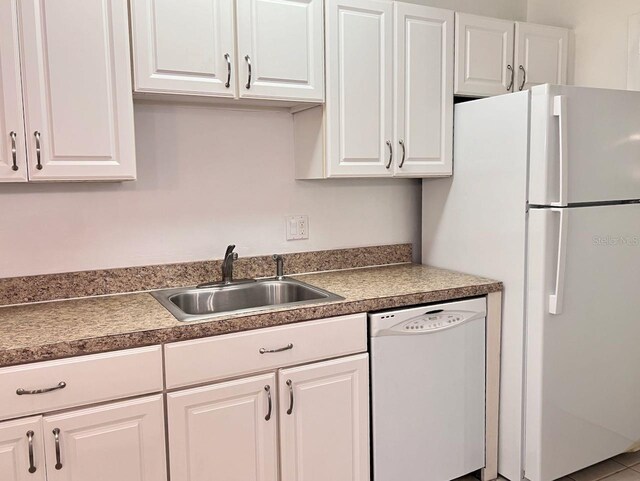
<point x="625" y="467"/>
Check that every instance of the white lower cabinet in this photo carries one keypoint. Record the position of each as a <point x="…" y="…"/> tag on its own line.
<point x="225" y="431"/>
<point x="229" y="430"/>
<point x="22" y="450"/>
<point x="121" y="441"/>
<point x="324" y="421"/>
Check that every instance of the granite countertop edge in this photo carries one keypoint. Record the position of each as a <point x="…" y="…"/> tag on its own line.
<point x="218" y="326"/>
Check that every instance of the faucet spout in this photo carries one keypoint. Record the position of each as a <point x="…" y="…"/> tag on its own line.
<point x="227" y="264"/>
<point x="279" y="266"/>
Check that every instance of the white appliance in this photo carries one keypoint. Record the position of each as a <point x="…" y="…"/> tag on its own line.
<point x="544" y="197"/>
<point x="428" y="391"/>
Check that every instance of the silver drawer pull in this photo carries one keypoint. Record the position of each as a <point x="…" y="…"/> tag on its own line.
<point x="32" y="464"/>
<point x="288" y="347"/>
<point x="22" y="392"/>
<point x="56" y="436"/>
<point x="267" y="388"/>
<point x="36" y="134"/>
<point x="524" y="77"/>
<point x="14" y="152"/>
<point x="248" y="60"/>
<point x="513" y="75"/>
<point x="390" y="154"/>
<point x="404" y="153"/>
<point x="228" y="59"/>
<point x="290" y="384"/>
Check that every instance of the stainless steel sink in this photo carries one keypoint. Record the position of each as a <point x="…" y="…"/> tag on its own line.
<point x="192" y="303"/>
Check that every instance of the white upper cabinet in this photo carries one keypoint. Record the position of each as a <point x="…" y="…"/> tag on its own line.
<point x="22" y="450"/>
<point x="280" y="49"/>
<point x="423" y="90"/>
<point x="324" y="421"/>
<point x="184" y="47"/>
<point x="492" y="60"/>
<point x="121" y="441"/>
<point x="190" y="48"/>
<point x="484" y="55"/>
<point x="540" y="55"/>
<point x="359" y="106"/>
<point x="225" y="431"/>
<point x="13" y="159"/>
<point x="389" y="107"/>
<point x="77" y="90"/>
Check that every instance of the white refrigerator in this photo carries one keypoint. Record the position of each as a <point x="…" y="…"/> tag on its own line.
<point x="545" y="197"/>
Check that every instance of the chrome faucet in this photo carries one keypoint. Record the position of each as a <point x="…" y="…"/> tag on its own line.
<point x="279" y="266"/>
<point x="227" y="271"/>
<point x="227" y="264"/>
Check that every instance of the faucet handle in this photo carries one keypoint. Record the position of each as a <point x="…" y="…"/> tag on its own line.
<point x="229" y="250"/>
<point x="235" y="256"/>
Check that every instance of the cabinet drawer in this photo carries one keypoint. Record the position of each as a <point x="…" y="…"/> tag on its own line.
<point x="87" y="379"/>
<point x="210" y="359"/>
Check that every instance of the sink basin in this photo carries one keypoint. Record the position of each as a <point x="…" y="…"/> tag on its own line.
<point x="192" y="304"/>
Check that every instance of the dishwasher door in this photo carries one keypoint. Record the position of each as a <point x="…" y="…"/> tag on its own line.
<point x="428" y="391"/>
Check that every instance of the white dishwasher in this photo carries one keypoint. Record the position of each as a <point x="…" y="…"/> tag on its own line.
<point x="428" y="391"/>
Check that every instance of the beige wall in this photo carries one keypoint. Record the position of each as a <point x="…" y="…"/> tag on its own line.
<point x="600" y="36"/>
<point x="207" y="177"/>
<point x="509" y="9"/>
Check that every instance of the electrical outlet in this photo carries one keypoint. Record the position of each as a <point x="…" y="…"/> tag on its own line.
<point x="297" y="227"/>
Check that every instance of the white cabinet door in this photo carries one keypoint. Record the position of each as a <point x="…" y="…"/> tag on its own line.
<point x="324" y="421"/>
<point x="122" y="441"/>
<point x="22" y="450"/>
<point x="540" y="55"/>
<point x="484" y="55"/>
<point x="423" y="90"/>
<point x="184" y="47"/>
<point x="359" y="117"/>
<point x="281" y="49"/>
<point x="13" y="159"/>
<point x="77" y="90"/>
<point x="224" y="431"/>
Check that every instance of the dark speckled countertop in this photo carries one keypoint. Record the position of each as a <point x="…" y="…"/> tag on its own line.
<point x="50" y="330"/>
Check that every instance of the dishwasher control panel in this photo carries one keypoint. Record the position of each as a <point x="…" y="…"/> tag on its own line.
<point x="426" y="319"/>
<point x="429" y="322"/>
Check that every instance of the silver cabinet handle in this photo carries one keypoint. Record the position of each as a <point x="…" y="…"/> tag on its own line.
<point x="248" y="60"/>
<point x="227" y="57"/>
<point x="513" y="75"/>
<point x="390" y="154"/>
<point x="524" y="77"/>
<point x="32" y="464"/>
<point x="22" y="392"/>
<point x="36" y="134"/>
<point x="404" y="153"/>
<point x="267" y="388"/>
<point x="290" y="384"/>
<point x="56" y="436"/>
<point x="288" y="347"/>
<point x="14" y="152"/>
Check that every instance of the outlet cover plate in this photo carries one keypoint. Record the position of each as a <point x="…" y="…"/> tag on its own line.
<point x="297" y="227"/>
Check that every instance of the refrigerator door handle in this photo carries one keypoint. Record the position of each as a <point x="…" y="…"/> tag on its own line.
<point x="560" y="111"/>
<point x="557" y="298"/>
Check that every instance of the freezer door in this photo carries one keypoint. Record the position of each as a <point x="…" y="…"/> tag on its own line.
<point x="585" y="145"/>
<point x="583" y="332"/>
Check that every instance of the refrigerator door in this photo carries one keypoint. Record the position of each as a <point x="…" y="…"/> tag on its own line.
<point x="583" y="329"/>
<point x="585" y="145"/>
